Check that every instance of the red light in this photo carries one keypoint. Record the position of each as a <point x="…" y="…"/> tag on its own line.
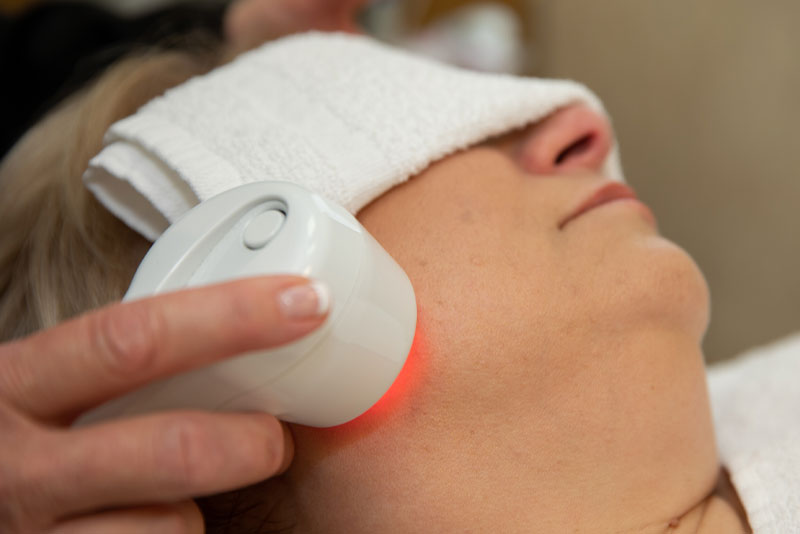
<point x="401" y="389"/>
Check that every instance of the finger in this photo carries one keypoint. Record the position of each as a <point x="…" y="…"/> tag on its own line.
<point x="160" y="459"/>
<point x="84" y="362"/>
<point x="180" y="518"/>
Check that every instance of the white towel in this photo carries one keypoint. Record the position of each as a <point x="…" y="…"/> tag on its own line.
<point x="342" y="115"/>
<point x="756" y="406"/>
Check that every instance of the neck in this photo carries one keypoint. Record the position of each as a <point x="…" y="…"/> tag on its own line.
<point x="720" y="512"/>
<point x="605" y="439"/>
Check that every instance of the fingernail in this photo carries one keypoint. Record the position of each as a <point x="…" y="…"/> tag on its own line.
<point x="307" y="301"/>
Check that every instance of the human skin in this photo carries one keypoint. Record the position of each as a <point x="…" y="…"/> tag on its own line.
<point x="248" y="23"/>
<point x="556" y="383"/>
<point x="139" y="474"/>
<point x="529" y="403"/>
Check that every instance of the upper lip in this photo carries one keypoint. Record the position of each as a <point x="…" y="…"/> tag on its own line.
<point x="607" y="192"/>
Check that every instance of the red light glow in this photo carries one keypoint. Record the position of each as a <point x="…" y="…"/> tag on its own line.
<point x="401" y="389"/>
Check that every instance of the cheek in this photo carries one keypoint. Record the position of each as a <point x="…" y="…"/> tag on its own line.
<point x="514" y="317"/>
<point x="485" y="313"/>
<point x="482" y="273"/>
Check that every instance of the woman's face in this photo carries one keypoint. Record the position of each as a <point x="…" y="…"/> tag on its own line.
<point x="557" y="357"/>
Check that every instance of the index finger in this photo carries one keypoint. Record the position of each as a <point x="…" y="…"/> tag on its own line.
<point x="74" y="366"/>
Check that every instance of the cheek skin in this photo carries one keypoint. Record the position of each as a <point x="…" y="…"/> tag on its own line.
<point x="445" y="269"/>
<point x="582" y="346"/>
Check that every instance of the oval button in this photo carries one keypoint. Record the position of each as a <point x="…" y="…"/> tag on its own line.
<point x="263" y="228"/>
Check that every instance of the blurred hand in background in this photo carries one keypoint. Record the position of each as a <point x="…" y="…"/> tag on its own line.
<point x="249" y="23"/>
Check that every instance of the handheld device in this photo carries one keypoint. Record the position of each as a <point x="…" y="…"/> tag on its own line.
<point x="324" y="379"/>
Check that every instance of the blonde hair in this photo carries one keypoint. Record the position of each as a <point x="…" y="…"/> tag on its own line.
<point x="61" y="252"/>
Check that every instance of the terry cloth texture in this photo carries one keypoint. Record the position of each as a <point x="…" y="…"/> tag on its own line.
<point x="756" y="405"/>
<point x="341" y="115"/>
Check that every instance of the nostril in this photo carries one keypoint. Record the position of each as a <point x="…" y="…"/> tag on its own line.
<point x="570" y="140"/>
<point x="577" y="148"/>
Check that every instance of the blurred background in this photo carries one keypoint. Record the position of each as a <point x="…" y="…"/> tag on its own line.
<point x="703" y="97"/>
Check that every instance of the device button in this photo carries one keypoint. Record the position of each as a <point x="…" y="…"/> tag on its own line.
<point x="263" y="228"/>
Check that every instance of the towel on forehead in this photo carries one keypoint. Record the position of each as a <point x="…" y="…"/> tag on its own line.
<point x="342" y="115"/>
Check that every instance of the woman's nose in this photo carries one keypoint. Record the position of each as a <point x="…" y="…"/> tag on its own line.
<point x="570" y="140"/>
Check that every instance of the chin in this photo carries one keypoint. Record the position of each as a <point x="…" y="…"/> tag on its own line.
<point x="682" y="285"/>
<point x="656" y="282"/>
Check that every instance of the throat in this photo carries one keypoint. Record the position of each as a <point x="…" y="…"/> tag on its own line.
<point x="720" y="512"/>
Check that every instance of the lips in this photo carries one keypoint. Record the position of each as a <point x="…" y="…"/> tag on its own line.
<point x="609" y="192"/>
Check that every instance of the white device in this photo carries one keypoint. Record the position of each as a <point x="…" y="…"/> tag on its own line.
<point x="329" y="377"/>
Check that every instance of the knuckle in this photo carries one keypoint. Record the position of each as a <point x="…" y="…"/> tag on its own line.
<point x="184" y="453"/>
<point x="128" y="340"/>
<point x="15" y="379"/>
<point x="183" y="519"/>
<point x="259" y="449"/>
<point x="273" y="445"/>
<point x="176" y="523"/>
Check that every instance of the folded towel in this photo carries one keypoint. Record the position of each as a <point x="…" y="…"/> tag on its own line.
<point x="342" y="115"/>
<point x="756" y="405"/>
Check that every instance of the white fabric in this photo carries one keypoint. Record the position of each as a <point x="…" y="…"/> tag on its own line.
<point x="756" y="405"/>
<point x="342" y="115"/>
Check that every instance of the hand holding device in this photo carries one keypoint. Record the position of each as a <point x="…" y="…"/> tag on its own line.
<point x="138" y="474"/>
<point x="324" y="379"/>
